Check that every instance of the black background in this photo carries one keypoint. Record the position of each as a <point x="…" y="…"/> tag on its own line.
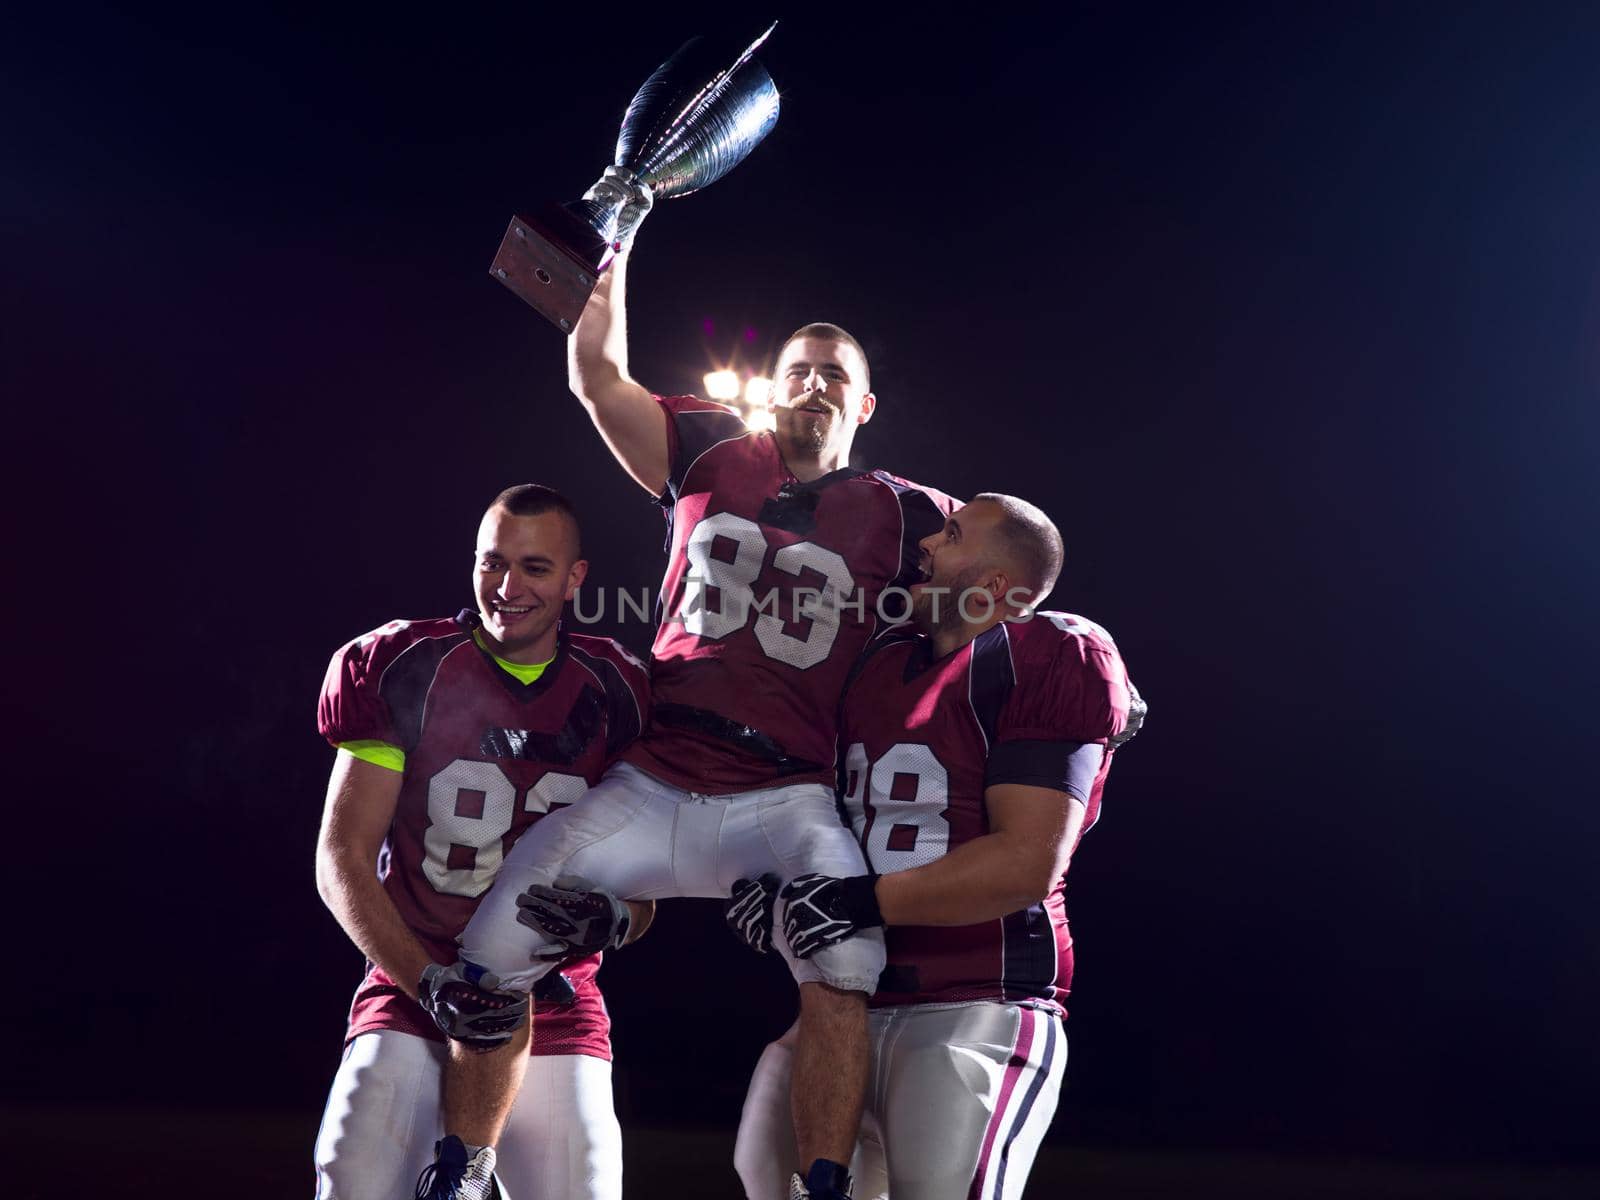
<point x="1287" y="314"/>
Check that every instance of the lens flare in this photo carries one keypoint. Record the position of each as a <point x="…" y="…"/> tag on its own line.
<point x="722" y="385"/>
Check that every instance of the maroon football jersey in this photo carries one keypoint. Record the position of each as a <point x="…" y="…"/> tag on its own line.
<point x="771" y="592"/>
<point x="486" y="756"/>
<point x="1029" y="702"/>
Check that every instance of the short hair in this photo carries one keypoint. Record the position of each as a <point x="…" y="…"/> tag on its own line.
<point x="1030" y="540"/>
<point x="534" y="499"/>
<point x="828" y="332"/>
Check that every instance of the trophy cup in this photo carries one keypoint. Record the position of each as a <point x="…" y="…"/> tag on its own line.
<point x="691" y="123"/>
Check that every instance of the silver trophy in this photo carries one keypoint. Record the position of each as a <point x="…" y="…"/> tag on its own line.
<point x="691" y="123"/>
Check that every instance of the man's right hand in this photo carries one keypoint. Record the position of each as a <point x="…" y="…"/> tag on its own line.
<point x="621" y="184"/>
<point x="749" y="911"/>
<point x="464" y="1004"/>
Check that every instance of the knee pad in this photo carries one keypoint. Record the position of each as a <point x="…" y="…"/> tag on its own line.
<point x="852" y="965"/>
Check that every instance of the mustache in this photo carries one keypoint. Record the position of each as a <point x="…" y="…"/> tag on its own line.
<point x="805" y="398"/>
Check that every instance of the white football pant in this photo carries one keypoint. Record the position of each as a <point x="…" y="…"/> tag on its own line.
<point x="642" y="839"/>
<point x="561" y="1142"/>
<point x="958" y="1099"/>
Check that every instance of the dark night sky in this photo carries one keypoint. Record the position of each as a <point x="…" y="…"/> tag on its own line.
<point x="1290" y="315"/>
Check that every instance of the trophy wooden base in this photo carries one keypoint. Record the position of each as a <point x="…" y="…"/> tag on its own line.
<point x="537" y="262"/>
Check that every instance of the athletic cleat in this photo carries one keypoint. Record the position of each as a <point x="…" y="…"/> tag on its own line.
<point x="454" y="1176"/>
<point x="826" y="1180"/>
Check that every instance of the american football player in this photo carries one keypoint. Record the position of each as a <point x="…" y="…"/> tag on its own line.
<point x="454" y="738"/>
<point x="779" y="557"/>
<point x="975" y="745"/>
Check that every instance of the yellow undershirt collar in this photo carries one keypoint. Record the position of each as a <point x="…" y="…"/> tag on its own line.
<point x="522" y="672"/>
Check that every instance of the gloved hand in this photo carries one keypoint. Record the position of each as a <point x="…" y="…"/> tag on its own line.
<point x="463" y="1001"/>
<point x="584" y="919"/>
<point x="821" y="910"/>
<point x="749" y="911"/>
<point x="621" y="187"/>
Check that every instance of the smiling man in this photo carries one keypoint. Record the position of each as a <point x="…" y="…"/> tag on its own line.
<point x="455" y="737"/>
<point x="820" y="370"/>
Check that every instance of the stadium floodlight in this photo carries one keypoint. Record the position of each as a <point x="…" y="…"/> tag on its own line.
<point x="722" y="385"/>
<point x="756" y="391"/>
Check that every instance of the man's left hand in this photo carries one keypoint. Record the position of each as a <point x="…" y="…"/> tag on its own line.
<point x="584" y="919"/>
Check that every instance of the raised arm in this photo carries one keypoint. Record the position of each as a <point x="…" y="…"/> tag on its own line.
<point x="633" y="425"/>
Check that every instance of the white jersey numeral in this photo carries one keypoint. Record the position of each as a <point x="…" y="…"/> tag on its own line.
<point x="897" y="805"/>
<point x="459" y="786"/>
<point x="823" y="609"/>
<point x="856" y="771"/>
<point x="731" y="579"/>
<point x="736" y="599"/>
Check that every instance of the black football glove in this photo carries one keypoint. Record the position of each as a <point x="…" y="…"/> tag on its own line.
<point x="583" y="918"/>
<point x="749" y="911"/>
<point x="463" y="1001"/>
<point x="821" y="910"/>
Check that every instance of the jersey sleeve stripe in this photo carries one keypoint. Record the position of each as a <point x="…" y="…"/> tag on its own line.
<point x="1065" y="766"/>
<point x="379" y="754"/>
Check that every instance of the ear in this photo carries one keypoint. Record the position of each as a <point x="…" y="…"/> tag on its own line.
<point x="576" y="574"/>
<point x="869" y="404"/>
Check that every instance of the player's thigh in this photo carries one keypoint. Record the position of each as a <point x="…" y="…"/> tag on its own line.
<point x="797" y="831"/>
<point x="764" y="1151"/>
<point x="562" y="1140"/>
<point x="1024" y="1117"/>
<point x="625" y="814"/>
<point x="801" y="832"/>
<point x="963" y="1095"/>
<point x="617" y="836"/>
<point x="382" y="1117"/>
<point x="869" y="1168"/>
